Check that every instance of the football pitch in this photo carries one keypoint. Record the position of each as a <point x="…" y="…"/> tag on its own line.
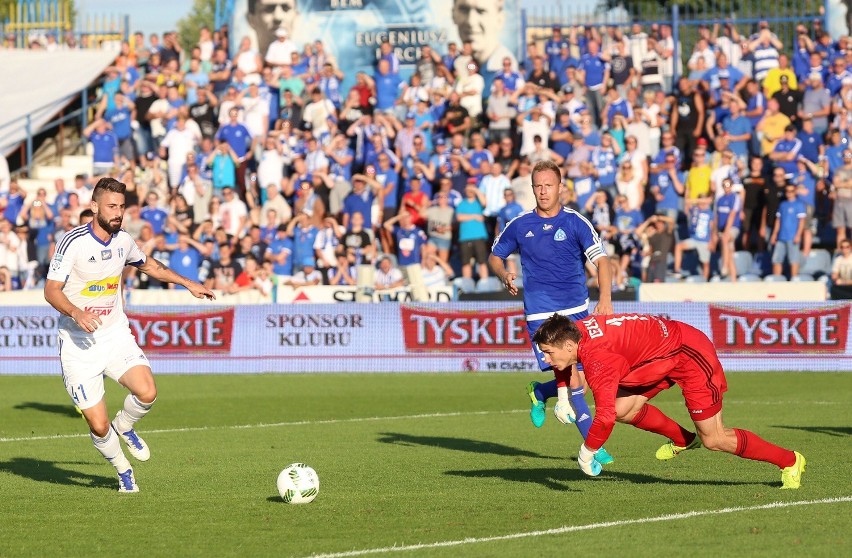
<point x="416" y="465"/>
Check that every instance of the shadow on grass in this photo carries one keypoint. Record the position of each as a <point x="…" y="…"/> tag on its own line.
<point x="836" y="431"/>
<point x="458" y="444"/>
<point x="556" y="478"/>
<point x="47" y="471"/>
<point x="64" y="410"/>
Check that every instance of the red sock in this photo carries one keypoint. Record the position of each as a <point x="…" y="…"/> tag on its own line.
<point x="653" y="420"/>
<point x="752" y="446"/>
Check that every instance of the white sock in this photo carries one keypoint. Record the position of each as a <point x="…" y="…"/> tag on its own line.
<point x="110" y="448"/>
<point x="131" y="413"/>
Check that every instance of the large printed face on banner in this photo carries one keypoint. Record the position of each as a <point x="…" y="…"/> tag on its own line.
<point x="352" y="30"/>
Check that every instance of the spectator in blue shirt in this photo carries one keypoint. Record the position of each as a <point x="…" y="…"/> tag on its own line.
<point x="105" y="145"/>
<point x="594" y="75"/>
<point x="240" y="140"/>
<point x="387" y="86"/>
<point x="186" y="258"/>
<point x="153" y="214"/>
<point x="738" y="128"/>
<point x="787" y="232"/>
<point x="728" y="210"/>
<point x="509" y="211"/>
<point x="786" y="151"/>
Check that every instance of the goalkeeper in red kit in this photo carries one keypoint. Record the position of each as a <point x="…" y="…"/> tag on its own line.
<point x="630" y="358"/>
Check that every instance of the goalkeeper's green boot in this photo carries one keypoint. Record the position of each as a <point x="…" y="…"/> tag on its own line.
<point x="537" y="410"/>
<point x="670" y="450"/>
<point x="603" y="457"/>
<point x="791" y="477"/>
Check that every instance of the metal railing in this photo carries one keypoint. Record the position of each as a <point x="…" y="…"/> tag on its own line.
<point x="80" y="114"/>
<point x="36" y="20"/>
<point x="685" y="20"/>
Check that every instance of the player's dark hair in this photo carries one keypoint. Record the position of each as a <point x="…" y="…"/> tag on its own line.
<point x="547" y="166"/>
<point x="108" y="184"/>
<point x="87" y="214"/>
<point x="556" y="330"/>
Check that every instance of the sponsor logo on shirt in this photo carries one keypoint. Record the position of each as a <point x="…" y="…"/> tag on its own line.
<point x="106" y="255"/>
<point x="547" y="227"/>
<point x="104" y="287"/>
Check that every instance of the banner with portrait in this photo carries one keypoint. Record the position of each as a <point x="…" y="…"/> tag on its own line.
<point x="352" y="30"/>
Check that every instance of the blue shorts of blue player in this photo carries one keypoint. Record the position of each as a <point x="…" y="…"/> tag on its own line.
<point x="539" y="393"/>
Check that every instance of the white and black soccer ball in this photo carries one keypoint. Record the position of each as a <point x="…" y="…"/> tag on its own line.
<point x="298" y="484"/>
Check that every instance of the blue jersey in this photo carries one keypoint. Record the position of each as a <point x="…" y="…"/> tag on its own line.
<point x="663" y="182"/>
<point x="793" y="146"/>
<point x="278" y="246"/>
<point x="810" y="145"/>
<point x="806" y="180"/>
<point x="725" y="206"/>
<point x="553" y="251"/>
<point x="303" y="246"/>
<point x="789" y="213"/>
<point x="105" y="146"/>
<point x="237" y="136"/>
<point x="737" y="127"/>
<point x="409" y="243"/>
<point x="594" y="66"/>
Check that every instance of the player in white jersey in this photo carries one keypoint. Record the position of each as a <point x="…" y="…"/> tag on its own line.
<point x="84" y="284"/>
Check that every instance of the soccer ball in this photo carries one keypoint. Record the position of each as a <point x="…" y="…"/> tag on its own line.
<point x="298" y="484"/>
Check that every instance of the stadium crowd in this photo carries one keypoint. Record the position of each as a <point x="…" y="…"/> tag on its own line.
<point x="249" y="168"/>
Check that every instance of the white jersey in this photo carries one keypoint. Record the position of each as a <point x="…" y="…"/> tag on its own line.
<point x="91" y="271"/>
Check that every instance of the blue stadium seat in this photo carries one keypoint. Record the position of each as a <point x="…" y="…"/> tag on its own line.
<point x="696" y="279"/>
<point x="775" y="278"/>
<point x="817" y="263"/>
<point x="489" y="285"/>
<point x="802" y="277"/>
<point x="749" y="278"/>
<point x="464" y="284"/>
<point x="743" y="261"/>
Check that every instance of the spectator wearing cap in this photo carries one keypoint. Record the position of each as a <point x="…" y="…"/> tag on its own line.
<point x="560" y="65"/>
<point x="553" y="46"/>
<point x="816" y="103"/>
<point x="279" y="53"/>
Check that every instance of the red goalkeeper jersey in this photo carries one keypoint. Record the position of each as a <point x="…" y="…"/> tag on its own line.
<point x="627" y="350"/>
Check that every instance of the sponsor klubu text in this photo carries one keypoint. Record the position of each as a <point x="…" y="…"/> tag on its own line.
<point x="27" y="332"/>
<point x="315" y="330"/>
<point x="818" y="330"/>
<point x="428" y="329"/>
<point x="194" y="332"/>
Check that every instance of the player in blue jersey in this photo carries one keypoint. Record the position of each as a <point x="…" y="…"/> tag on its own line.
<point x="554" y="243"/>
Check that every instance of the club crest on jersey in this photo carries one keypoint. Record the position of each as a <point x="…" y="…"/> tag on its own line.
<point x="57" y="261"/>
<point x="529" y="234"/>
<point x="547" y="227"/>
<point x="560" y="235"/>
<point x="106" y="255"/>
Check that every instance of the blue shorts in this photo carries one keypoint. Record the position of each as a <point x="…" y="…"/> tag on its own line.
<point x="532" y="327"/>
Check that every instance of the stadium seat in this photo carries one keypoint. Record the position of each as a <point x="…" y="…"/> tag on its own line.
<point x="775" y="278"/>
<point x="749" y="278"/>
<point x="743" y="261"/>
<point x="817" y="263"/>
<point x="488" y="285"/>
<point x="802" y="277"/>
<point x="696" y="279"/>
<point x="464" y="284"/>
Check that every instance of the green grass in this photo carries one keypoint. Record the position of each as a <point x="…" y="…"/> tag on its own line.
<point x="440" y="457"/>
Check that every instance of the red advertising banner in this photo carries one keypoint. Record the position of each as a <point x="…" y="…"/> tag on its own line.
<point x="748" y="330"/>
<point x="451" y="330"/>
<point x="184" y="332"/>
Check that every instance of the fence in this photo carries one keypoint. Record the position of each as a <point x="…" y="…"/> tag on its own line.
<point x="783" y="17"/>
<point x="27" y="20"/>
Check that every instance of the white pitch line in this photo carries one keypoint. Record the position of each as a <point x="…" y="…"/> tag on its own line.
<point x="371" y="419"/>
<point x="276" y="424"/>
<point x="575" y="528"/>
